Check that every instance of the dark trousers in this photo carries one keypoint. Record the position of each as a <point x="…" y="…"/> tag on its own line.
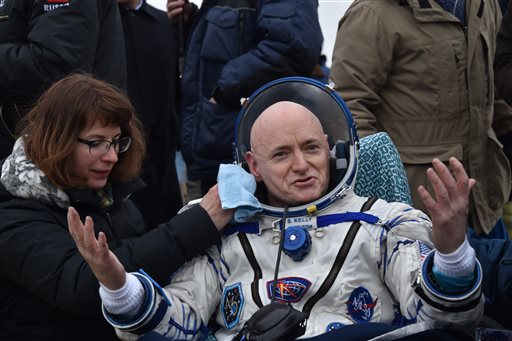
<point x="365" y="331"/>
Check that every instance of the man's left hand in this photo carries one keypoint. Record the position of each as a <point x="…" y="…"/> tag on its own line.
<point x="449" y="211"/>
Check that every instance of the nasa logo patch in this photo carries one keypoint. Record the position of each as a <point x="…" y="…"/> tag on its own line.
<point x="231" y="304"/>
<point x="360" y="305"/>
<point x="289" y="289"/>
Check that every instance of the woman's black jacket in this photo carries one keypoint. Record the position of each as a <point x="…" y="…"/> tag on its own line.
<point x="48" y="292"/>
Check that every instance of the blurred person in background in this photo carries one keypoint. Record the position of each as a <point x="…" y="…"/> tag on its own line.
<point x="152" y="69"/>
<point x="232" y="48"/>
<point x="421" y="71"/>
<point x="42" y="41"/>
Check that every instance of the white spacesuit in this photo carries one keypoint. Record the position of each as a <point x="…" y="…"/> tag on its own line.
<point x="384" y="277"/>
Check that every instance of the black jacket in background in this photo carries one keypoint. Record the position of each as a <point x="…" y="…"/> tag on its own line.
<point x="151" y="55"/>
<point x="42" y="41"/>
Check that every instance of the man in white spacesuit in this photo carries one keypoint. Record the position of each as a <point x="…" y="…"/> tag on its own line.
<point x="341" y="266"/>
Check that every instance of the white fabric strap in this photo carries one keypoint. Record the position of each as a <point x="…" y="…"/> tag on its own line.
<point x="126" y="300"/>
<point x="459" y="263"/>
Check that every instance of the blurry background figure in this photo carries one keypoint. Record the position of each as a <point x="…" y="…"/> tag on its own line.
<point x="321" y="71"/>
<point x="41" y="41"/>
<point x="503" y="74"/>
<point x="181" y="168"/>
<point x="422" y="72"/>
<point x="151" y="55"/>
<point x="503" y="5"/>
<point x="232" y="48"/>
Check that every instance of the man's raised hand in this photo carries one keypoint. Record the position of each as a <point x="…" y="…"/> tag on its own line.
<point x="105" y="265"/>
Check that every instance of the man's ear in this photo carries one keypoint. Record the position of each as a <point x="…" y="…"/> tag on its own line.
<point x="253" y="165"/>
<point x="326" y="142"/>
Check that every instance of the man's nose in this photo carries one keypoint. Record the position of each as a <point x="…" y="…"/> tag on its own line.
<point x="300" y="162"/>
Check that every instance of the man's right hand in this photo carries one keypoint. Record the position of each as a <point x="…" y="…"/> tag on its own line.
<point x="177" y="7"/>
<point x="104" y="264"/>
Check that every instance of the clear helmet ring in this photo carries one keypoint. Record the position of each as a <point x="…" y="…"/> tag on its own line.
<point x="336" y="121"/>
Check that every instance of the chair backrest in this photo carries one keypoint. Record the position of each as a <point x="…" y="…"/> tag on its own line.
<point x="380" y="171"/>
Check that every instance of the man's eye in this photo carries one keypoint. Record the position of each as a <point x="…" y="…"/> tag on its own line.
<point x="313" y="147"/>
<point x="279" y="155"/>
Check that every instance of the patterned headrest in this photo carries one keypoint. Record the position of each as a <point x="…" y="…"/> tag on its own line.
<point x="380" y="170"/>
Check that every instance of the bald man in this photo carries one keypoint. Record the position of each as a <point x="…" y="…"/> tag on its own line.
<point x="293" y="160"/>
<point x="391" y="273"/>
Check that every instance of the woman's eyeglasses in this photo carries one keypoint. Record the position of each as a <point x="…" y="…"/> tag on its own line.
<point x="100" y="147"/>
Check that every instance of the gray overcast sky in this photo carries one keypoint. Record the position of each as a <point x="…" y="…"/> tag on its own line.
<point x="329" y="11"/>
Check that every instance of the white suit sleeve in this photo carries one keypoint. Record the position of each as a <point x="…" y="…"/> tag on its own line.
<point x="182" y="309"/>
<point x="408" y="254"/>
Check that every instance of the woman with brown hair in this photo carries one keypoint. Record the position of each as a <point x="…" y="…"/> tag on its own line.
<point x="79" y="153"/>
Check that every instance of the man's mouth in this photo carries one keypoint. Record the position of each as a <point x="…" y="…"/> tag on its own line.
<point x="305" y="181"/>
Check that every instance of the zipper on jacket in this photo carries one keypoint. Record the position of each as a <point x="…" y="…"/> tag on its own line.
<point x="480" y="9"/>
<point x="240" y="33"/>
<point x="465" y="29"/>
<point x="241" y="22"/>
<point x="116" y="240"/>
<point x="109" y="219"/>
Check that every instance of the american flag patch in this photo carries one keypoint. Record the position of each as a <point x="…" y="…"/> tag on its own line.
<point x="424" y="249"/>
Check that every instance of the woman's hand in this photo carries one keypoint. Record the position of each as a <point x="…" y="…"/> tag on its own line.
<point x="212" y="205"/>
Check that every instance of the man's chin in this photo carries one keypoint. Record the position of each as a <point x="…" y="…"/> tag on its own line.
<point x="304" y="200"/>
